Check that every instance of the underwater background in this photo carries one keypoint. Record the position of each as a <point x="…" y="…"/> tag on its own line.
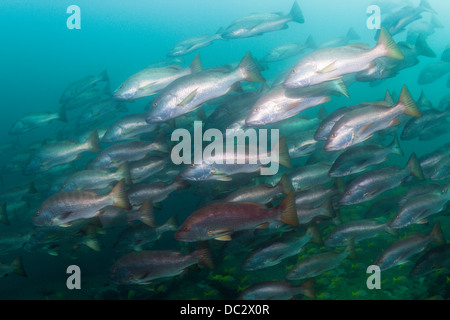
<point x="40" y="57"/>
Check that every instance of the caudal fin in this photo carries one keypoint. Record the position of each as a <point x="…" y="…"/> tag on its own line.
<point x="3" y="214"/>
<point x="146" y="214"/>
<point x="93" y="143"/>
<point x="123" y="172"/>
<point x="425" y="6"/>
<point x="196" y="64"/>
<point x="172" y="224"/>
<point x="352" y="35"/>
<point x="286" y="184"/>
<point x="395" y="147"/>
<point x="283" y="153"/>
<point x="62" y="114"/>
<point x="408" y="103"/>
<point x="250" y="69"/>
<point x="437" y="234"/>
<point x="308" y="289"/>
<point x="310" y="43"/>
<point x="314" y="232"/>
<point x="204" y="255"/>
<point x="414" y="167"/>
<point x="296" y="13"/>
<point x="388" y="45"/>
<point x="17" y="264"/>
<point x="288" y="210"/>
<point x="120" y="196"/>
<point x="422" y="47"/>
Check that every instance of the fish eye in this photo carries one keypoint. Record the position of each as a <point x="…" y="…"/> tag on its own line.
<point x="155" y="104"/>
<point x="294" y="70"/>
<point x="38" y="213"/>
<point x="334" y="135"/>
<point x="347" y="193"/>
<point x="192" y="165"/>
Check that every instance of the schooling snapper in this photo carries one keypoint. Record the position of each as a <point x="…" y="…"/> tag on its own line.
<point x="310" y="140"/>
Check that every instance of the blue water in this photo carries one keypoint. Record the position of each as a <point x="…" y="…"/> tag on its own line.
<point x="40" y="57"/>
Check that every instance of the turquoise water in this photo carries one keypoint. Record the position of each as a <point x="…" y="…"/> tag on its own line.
<point x="41" y="57"/>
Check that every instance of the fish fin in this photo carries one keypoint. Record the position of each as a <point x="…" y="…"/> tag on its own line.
<point x="146" y="214"/>
<point x="388" y="45"/>
<point x="205" y="256"/>
<point x="263" y="226"/>
<point x="124" y="173"/>
<point x="226" y="237"/>
<point x="394" y="122"/>
<point x="18" y="267"/>
<point x="322" y="113"/>
<point x="104" y="76"/>
<point x="283" y="153"/>
<point x="93" y="243"/>
<point x="341" y="87"/>
<point x="120" y="196"/>
<point x="288" y="210"/>
<point x="437" y="234"/>
<point x="352" y="35"/>
<point x="363" y="129"/>
<point x="395" y="146"/>
<point x="225" y="178"/>
<point x="148" y="86"/>
<point x="65" y="225"/>
<point x="93" y="142"/>
<point x="196" y="64"/>
<point x="329" y="68"/>
<point x="422" y="47"/>
<point x="414" y="167"/>
<point x="62" y="114"/>
<point x="309" y="290"/>
<point x="388" y="98"/>
<point x="250" y="69"/>
<point x="408" y="103"/>
<point x="201" y="114"/>
<point x="296" y="13"/>
<point x="310" y="43"/>
<point x="188" y="98"/>
<point x="286" y="184"/>
<point x="351" y="249"/>
<point x="426" y="6"/>
<point x="314" y="231"/>
<point x="3" y="214"/>
<point x="172" y="223"/>
<point x="363" y="46"/>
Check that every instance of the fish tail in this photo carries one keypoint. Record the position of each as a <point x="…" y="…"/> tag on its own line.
<point x="422" y="47"/>
<point x="424" y="5"/>
<point x="91" y="240"/>
<point x="286" y="184"/>
<point x="340" y="87"/>
<point x="328" y="209"/>
<point x="437" y="235"/>
<point x="296" y="13"/>
<point x="93" y="143"/>
<point x="350" y="249"/>
<point x="388" y="45"/>
<point x="17" y="264"/>
<point x="322" y="113"/>
<point x="32" y="188"/>
<point x="196" y="64"/>
<point x="310" y="43"/>
<point x="180" y="183"/>
<point x="283" y="153"/>
<point x="352" y="35"/>
<point x="172" y="224"/>
<point x="104" y="76"/>
<point x="414" y="167"/>
<point x="308" y="289"/>
<point x="395" y="147"/>
<point x="62" y="114"/>
<point x="120" y="196"/>
<point x="288" y="210"/>
<point x="314" y="232"/>
<point x="124" y="173"/>
<point x="146" y="214"/>
<point x="3" y="214"/>
<point x="204" y="255"/>
<point x="250" y="69"/>
<point x="408" y="103"/>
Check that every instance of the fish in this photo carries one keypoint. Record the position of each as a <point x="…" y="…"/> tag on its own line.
<point x="153" y="79"/>
<point x="35" y="120"/>
<point x="308" y="176"/>
<point x="220" y="219"/>
<point x="316" y="196"/>
<point x="360" y="124"/>
<point x="261" y="193"/>
<point x="332" y="63"/>
<point x="16" y="267"/>
<point x="341" y="41"/>
<point x="431" y="261"/>
<point x="278" y="290"/>
<point x="97" y="179"/>
<point x="316" y="264"/>
<point x="62" y="208"/>
<point x="82" y="85"/>
<point x="259" y="23"/>
<point x="194" y="43"/>
<point x="190" y="92"/>
<point x="417" y="209"/>
<point x="142" y="267"/>
<point x="98" y="112"/>
<point x="156" y="191"/>
<point x="433" y="71"/>
<point x="88" y="97"/>
<point x="401" y="250"/>
<point x="53" y="154"/>
<point x="358" y="158"/>
<point x="147" y="167"/>
<point x="415" y="127"/>
<point x="431" y="161"/>
<point x="115" y="216"/>
<point x="128" y="128"/>
<point x="307" y="214"/>
<point x="11" y="241"/>
<point x="371" y="184"/>
<point x="356" y="230"/>
<point x="272" y="253"/>
<point x="118" y="153"/>
<point x="289" y="50"/>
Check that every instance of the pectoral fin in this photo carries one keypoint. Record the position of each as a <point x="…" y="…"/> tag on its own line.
<point x="329" y="68"/>
<point x="147" y="87"/>
<point x="188" y="99"/>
